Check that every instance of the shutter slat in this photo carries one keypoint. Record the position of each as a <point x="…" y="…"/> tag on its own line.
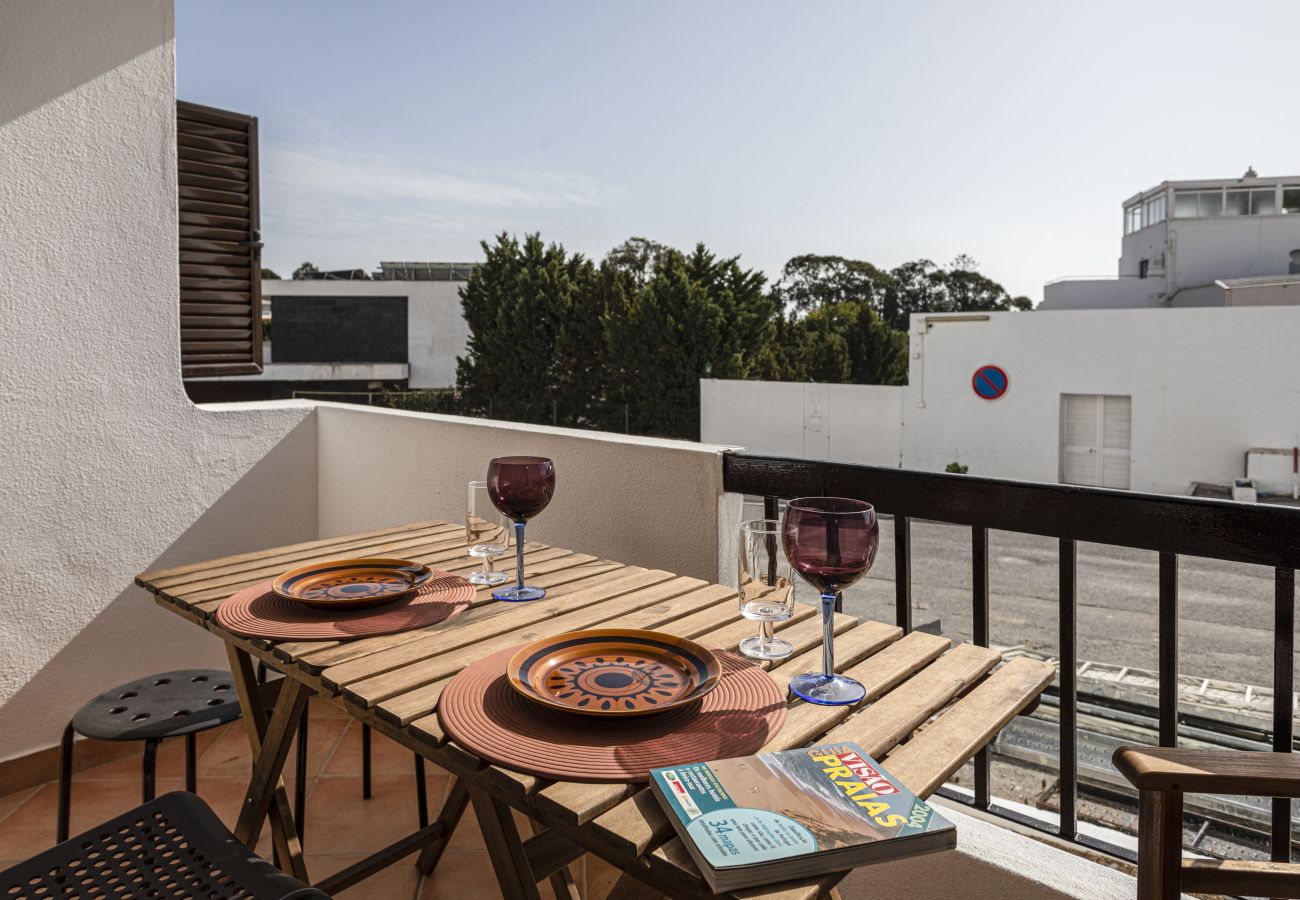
<point x="213" y="284"/>
<point x="193" y="305"/>
<point x="220" y="274"/>
<point x="202" y="218"/>
<point x="225" y="160"/>
<point x="232" y="198"/>
<point x="215" y="145"/>
<point x="194" y="179"/>
<point x="217" y="234"/>
<point x="190" y="271"/>
<point x="189" y="321"/>
<point x="210" y="259"/>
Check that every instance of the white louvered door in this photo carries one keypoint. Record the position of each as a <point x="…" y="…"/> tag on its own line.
<point x="1096" y="440"/>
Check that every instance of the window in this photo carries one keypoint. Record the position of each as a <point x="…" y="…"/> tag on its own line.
<point x="1153" y="211"/>
<point x="1143" y="266"/>
<point x="1236" y="203"/>
<point x="1263" y="203"/>
<point x="1209" y="203"/>
<point x="1291" y="199"/>
<point x="1184" y="204"/>
<point x="1132" y="218"/>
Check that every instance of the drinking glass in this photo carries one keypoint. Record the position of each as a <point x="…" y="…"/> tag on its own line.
<point x="520" y="487"/>
<point x="766" y="594"/>
<point x="487" y="534"/>
<point x="831" y="542"/>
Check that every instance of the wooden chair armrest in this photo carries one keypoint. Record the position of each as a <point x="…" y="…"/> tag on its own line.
<point x="1252" y="773"/>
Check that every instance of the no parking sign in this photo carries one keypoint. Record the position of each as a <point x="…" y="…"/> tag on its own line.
<point x="989" y="382"/>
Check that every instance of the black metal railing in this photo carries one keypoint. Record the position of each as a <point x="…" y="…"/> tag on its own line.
<point x="1169" y="525"/>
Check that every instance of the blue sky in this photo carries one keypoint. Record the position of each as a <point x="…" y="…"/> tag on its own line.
<point x="884" y="131"/>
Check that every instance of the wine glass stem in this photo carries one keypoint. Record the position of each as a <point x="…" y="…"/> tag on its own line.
<point x="519" y="553"/>
<point x="765" y="627"/>
<point x="828" y="634"/>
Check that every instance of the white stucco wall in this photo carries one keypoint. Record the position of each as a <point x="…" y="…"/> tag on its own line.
<point x="436" y="330"/>
<point x="1206" y="385"/>
<point x="651" y="502"/>
<point x="1101" y="293"/>
<point x="1203" y="250"/>
<point x="854" y="423"/>
<point x="108" y="469"/>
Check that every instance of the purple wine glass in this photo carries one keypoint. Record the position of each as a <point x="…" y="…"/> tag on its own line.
<point x="520" y="487"/>
<point x="831" y="542"/>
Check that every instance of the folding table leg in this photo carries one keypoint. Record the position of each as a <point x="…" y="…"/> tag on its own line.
<point x="562" y="881"/>
<point x="505" y="849"/>
<point x="271" y="792"/>
<point x="453" y="808"/>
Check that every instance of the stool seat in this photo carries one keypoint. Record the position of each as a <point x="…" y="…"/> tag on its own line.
<point x="160" y="706"/>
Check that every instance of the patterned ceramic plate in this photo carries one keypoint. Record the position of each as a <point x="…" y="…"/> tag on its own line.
<point x="351" y="583"/>
<point x="614" y="672"/>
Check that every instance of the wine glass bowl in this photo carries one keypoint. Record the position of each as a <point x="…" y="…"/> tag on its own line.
<point x="520" y="487"/>
<point x="765" y="588"/>
<point x="831" y="542"/>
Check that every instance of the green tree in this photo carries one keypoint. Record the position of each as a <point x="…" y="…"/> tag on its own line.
<point x="304" y="270"/>
<point x="269" y="275"/>
<point x="674" y="318"/>
<point x="811" y="281"/>
<point x="516" y="304"/>
<point x="852" y="345"/>
<point x="921" y="286"/>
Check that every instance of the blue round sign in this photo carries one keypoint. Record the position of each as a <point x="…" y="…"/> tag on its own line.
<point x="989" y="382"/>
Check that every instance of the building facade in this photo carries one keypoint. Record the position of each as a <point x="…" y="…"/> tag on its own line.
<point x="1233" y="242"/>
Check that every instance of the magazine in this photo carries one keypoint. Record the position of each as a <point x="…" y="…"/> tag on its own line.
<point x="795" y="814"/>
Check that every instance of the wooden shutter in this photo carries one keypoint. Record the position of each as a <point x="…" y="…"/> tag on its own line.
<point x="220" y="243"/>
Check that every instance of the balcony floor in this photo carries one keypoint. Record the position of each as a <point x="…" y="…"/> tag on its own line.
<point x="336" y="814"/>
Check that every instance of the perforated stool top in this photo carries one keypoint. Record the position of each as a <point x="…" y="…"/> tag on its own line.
<point x="160" y="706"/>
<point x="174" y="846"/>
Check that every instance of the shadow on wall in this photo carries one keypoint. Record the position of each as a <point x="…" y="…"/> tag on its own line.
<point x="31" y="79"/>
<point x="274" y="502"/>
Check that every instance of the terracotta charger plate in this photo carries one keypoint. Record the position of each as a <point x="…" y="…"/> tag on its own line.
<point x="351" y="583"/>
<point x="614" y="672"/>
<point x="485" y="715"/>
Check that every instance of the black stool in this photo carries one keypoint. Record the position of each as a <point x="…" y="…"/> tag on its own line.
<point x="174" y="846"/>
<point x="159" y="706"/>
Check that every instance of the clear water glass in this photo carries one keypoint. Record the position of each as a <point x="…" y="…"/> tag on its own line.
<point x="766" y="588"/>
<point x="487" y="534"/>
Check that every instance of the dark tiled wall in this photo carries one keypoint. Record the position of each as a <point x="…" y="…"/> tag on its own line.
<point x="338" y="329"/>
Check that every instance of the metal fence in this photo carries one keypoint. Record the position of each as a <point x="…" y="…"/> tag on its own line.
<point x="1169" y="525"/>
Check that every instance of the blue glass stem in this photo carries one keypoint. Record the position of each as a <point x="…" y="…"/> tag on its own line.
<point x="519" y="553"/>
<point x="828" y="634"/>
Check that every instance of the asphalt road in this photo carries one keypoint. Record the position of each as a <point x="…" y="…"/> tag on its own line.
<point x="1225" y="614"/>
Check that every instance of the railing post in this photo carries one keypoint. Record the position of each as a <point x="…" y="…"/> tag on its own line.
<point x="1069" y="669"/>
<point x="903" y="573"/>
<point x="1283" y="699"/>
<point x="1168" y="650"/>
<point x="980" y="633"/>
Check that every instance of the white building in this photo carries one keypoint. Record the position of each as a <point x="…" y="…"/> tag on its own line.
<point x="347" y="335"/>
<point x="1233" y="242"/>
<point x="1147" y="399"/>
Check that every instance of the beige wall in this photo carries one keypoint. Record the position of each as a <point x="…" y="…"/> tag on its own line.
<point x="107" y="468"/>
<point x="638" y="500"/>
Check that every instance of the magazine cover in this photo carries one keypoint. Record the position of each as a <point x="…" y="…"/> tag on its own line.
<point x="757" y="809"/>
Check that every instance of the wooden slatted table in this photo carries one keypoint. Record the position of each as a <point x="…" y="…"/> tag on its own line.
<point x="951" y="701"/>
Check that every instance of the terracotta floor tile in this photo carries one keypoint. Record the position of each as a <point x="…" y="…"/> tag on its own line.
<point x="10" y="802"/>
<point x="400" y="880"/>
<point x="600" y="877"/>
<point x="31" y="827"/>
<point x="170" y="764"/>
<point x="462" y="875"/>
<point x="467" y="835"/>
<point x="387" y="757"/>
<point x="229" y="756"/>
<point x="320" y="708"/>
<point x="339" y="822"/>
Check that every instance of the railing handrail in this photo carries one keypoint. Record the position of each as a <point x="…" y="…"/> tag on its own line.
<point x="1263" y="534"/>
<point x="1169" y="525"/>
